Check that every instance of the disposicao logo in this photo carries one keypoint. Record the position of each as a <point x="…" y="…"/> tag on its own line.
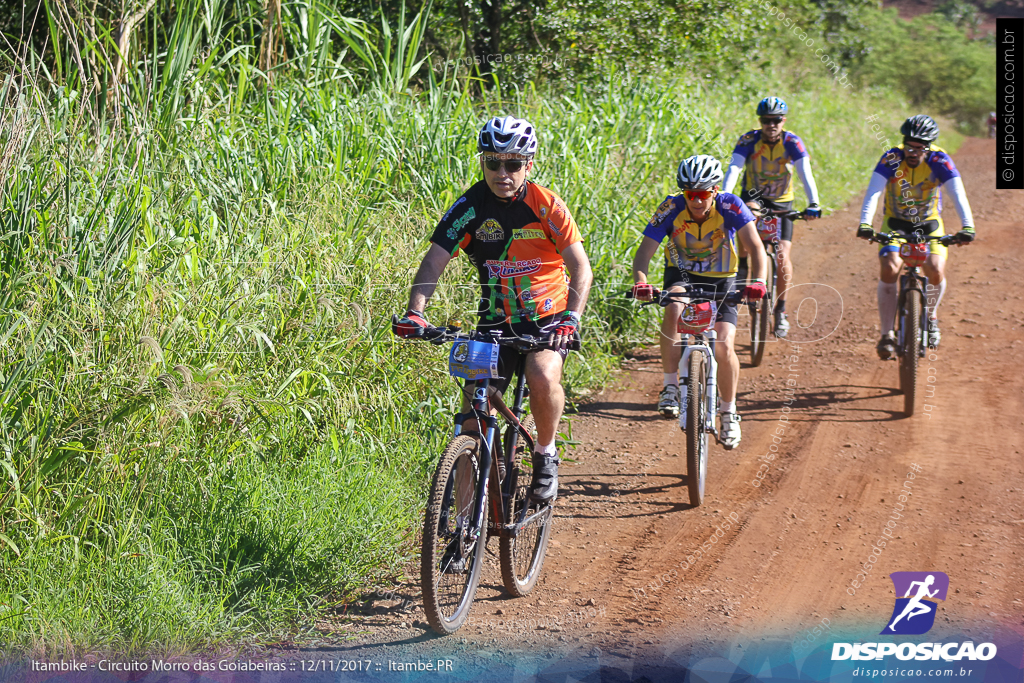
<point x="914" y="613"/>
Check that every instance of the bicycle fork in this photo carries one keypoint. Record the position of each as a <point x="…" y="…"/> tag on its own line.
<point x="712" y="384"/>
<point x="480" y="411"/>
<point x="912" y="285"/>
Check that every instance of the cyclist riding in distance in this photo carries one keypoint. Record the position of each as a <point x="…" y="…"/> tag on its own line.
<point x="912" y="176"/>
<point x="769" y="156"/>
<point x="534" y="274"/>
<point x="702" y="226"/>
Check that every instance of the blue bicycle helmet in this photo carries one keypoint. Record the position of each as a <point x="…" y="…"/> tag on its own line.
<point x="772" y="106"/>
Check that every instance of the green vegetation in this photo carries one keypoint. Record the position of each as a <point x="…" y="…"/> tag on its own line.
<point x="208" y="432"/>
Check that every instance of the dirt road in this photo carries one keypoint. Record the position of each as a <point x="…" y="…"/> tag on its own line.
<point x="631" y="565"/>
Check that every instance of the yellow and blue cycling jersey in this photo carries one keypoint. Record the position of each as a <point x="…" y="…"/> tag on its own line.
<point x="915" y="194"/>
<point x="769" y="168"/>
<point x="709" y="248"/>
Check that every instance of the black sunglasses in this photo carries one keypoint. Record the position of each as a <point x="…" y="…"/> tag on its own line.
<point x="511" y="165"/>
<point x="771" y="119"/>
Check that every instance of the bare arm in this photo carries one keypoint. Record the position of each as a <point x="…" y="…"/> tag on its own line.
<point x="755" y="249"/>
<point x="580" y="275"/>
<point x="642" y="259"/>
<point x="423" y="285"/>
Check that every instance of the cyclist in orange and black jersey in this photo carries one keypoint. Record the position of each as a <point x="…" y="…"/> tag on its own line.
<point x="534" y="274"/>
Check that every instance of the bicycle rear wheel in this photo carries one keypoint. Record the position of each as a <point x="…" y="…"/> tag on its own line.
<point x="522" y="556"/>
<point x="451" y="560"/>
<point x="911" y="343"/>
<point x="696" y="436"/>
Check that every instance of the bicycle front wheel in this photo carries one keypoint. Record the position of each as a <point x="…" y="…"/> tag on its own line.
<point x="761" y="315"/>
<point x="522" y="555"/>
<point x="696" y="435"/>
<point x="757" y="315"/>
<point x="452" y="559"/>
<point x="911" y="343"/>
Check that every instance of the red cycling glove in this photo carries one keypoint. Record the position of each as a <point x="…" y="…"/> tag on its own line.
<point x="755" y="290"/>
<point x="412" y="325"/>
<point x="643" y="291"/>
<point x="567" y="324"/>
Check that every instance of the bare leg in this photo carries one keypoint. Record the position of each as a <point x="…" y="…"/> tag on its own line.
<point x="728" y="361"/>
<point x="547" y="398"/>
<point x="935" y="268"/>
<point x="784" y="273"/>
<point x="671" y="351"/>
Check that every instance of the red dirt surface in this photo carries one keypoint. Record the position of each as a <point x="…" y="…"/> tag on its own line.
<point x="786" y="559"/>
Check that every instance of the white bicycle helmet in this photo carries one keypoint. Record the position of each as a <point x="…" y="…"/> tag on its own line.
<point x="699" y="172"/>
<point x="508" y="135"/>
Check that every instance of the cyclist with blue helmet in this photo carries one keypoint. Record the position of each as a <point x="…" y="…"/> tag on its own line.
<point x="767" y="159"/>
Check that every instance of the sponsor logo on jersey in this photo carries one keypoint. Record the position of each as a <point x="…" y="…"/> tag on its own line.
<point x="506" y="269"/>
<point x="528" y="234"/>
<point x="452" y="208"/>
<point x="460" y="222"/>
<point x="662" y="211"/>
<point x="530" y="294"/>
<point x="747" y="138"/>
<point x="490" y="231"/>
<point x="548" y="303"/>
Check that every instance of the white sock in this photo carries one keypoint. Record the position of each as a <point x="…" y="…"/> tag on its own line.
<point x="670" y="378"/>
<point x="727" y="407"/>
<point x="887" y="294"/>
<point x="547" y="450"/>
<point x="932" y="300"/>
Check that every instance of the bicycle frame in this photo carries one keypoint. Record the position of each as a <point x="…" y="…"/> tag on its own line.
<point x="912" y="283"/>
<point x="703" y="342"/>
<point x="501" y="494"/>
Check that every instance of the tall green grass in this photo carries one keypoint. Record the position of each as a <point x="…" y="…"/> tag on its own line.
<point x="208" y="432"/>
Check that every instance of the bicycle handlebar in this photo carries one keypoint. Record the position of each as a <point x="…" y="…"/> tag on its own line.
<point x="912" y="238"/>
<point x="695" y="293"/>
<point x="784" y="213"/>
<point x="523" y="343"/>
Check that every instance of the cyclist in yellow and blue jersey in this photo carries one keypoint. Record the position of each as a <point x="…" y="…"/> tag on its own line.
<point x="767" y="159"/>
<point x="912" y="177"/>
<point x="704" y="228"/>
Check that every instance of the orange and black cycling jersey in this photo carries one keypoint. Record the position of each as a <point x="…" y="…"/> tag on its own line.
<point x="516" y="247"/>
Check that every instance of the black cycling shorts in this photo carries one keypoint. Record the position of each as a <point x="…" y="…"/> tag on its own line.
<point x="727" y="313"/>
<point x="787" y="223"/>
<point x="508" y="357"/>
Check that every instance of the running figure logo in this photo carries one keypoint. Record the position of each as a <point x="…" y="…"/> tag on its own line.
<point x="914" y="613"/>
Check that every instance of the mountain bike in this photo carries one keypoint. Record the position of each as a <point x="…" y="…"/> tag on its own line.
<point x="467" y="488"/>
<point x="911" y="315"/>
<point x="769" y="229"/>
<point x="699" y="370"/>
